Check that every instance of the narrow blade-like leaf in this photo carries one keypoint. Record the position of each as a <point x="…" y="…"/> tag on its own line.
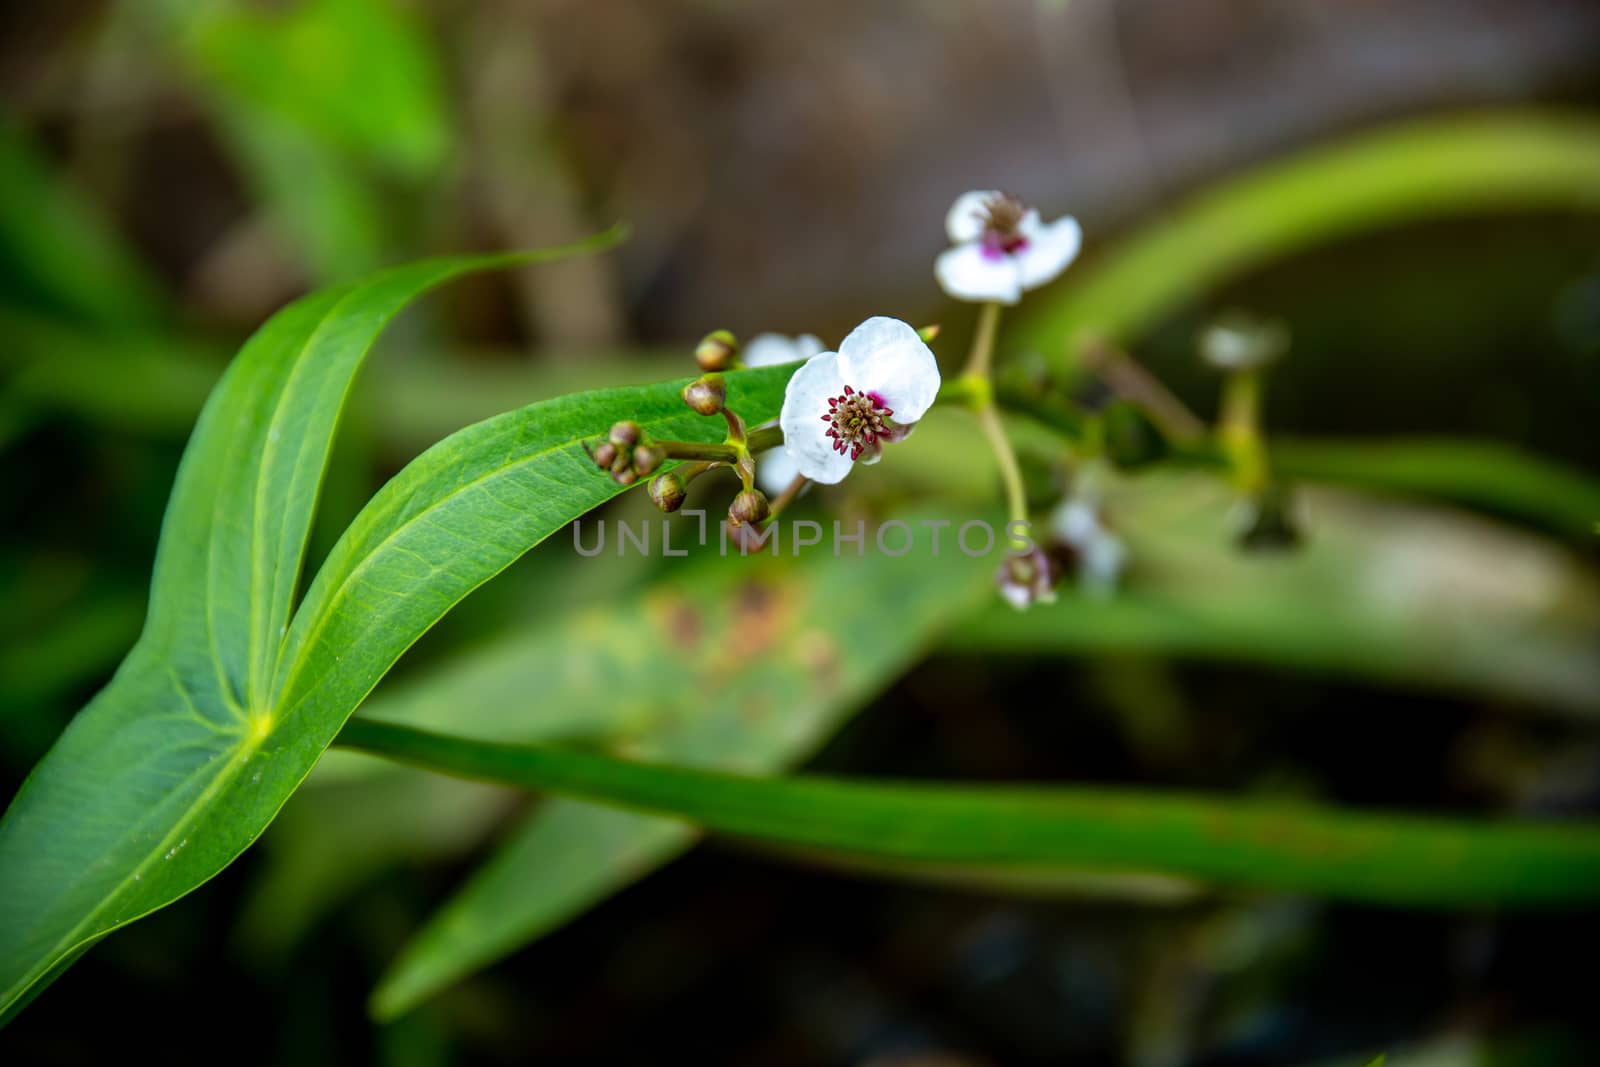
<point x="214" y="718"/>
<point x="744" y="665"/>
<point x="1386" y="858"/>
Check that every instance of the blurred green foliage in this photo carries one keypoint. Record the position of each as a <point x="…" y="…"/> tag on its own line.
<point x="341" y="126"/>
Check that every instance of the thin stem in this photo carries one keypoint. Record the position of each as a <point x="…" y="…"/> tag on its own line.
<point x="981" y="358"/>
<point x="1131" y="381"/>
<point x="790" y="492"/>
<point x="1239" y="430"/>
<point x="1006" y="460"/>
<point x="764" y="437"/>
<point x="720" y="453"/>
<point x="736" y="431"/>
<point x="976" y="388"/>
<point x="688" y="472"/>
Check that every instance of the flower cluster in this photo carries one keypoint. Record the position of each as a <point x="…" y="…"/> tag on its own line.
<point x="843" y="406"/>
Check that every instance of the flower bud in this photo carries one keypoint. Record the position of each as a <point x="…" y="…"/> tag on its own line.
<point x="1238" y="341"/>
<point x="626" y="434"/>
<point x="626" y="476"/>
<point x="622" y="461"/>
<point x="706" y="394"/>
<point x="667" y="491"/>
<point x="748" y="507"/>
<point x="716" y="352"/>
<point x="1027" y="580"/>
<point x="604" y="455"/>
<point x="646" y="459"/>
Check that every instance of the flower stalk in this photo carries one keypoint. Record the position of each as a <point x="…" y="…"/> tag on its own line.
<point x="976" y="387"/>
<point x="1239" y="431"/>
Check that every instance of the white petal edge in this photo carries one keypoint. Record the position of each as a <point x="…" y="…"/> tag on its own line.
<point x="771" y="349"/>
<point x="805" y="435"/>
<point x="966" y="273"/>
<point x="887" y="357"/>
<point x="1051" y="250"/>
<point x="965" y="220"/>
<point x="775" y="469"/>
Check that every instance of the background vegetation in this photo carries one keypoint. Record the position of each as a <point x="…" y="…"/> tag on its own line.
<point x="1412" y="188"/>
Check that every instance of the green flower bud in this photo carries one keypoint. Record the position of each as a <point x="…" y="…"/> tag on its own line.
<point x="626" y="476"/>
<point x="646" y="459"/>
<point x="716" y="352"/>
<point x="622" y="461"/>
<point x="706" y="394"/>
<point x="748" y="507"/>
<point x="667" y="491"/>
<point x="626" y="434"/>
<point x="604" y="455"/>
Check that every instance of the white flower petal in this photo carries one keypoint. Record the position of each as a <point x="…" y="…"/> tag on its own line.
<point x="1101" y="565"/>
<point x="775" y="469"/>
<point x="1018" y="596"/>
<point x="1076" y="523"/>
<point x="967" y="272"/>
<point x="968" y="215"/>
<point x="805" y="434"/>
<point x="1050" y="250"/>
<point x="887" y="357"/>
<point x="771" y="349"/>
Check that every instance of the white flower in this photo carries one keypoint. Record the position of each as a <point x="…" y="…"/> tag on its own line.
<point x="841" y="406"/>
<point x="771" y="349"/>
<point x="1099" y="555"/>
<point x="1238" y="342"/>
<point x="776" y="469"/>
<point x="1002" y="249"/>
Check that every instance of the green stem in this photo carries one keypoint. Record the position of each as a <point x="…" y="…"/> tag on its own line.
<point x="1006" y="460"/>
<point x="699" y="450"/>
<point x="787" y="497"/>
<point x="764" y="437"/>
<point x="981" y="359"/>
<point x="1239" y="431"/>
<point x="736" y="432"/>
<point x="1367" y="856"/>
<point x="976" y="387"/>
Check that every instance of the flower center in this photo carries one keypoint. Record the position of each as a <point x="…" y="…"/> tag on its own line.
<point x="857" y="421"/>
<point x="1002" y="222"/>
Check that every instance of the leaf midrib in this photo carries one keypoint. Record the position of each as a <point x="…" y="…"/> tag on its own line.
<point x="338" y="595"/>
<point x="261" y="622"/>
<point x="75" y="937"/>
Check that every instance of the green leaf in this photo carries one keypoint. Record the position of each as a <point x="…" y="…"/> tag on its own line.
<point x="748" y="667"/>
<point x="226" y="702"/>
<point x="1415" y="171"/>
<point x="1486" y="475"/>
<point x="58" y="251"/>
<point x="1404" y="594"/>
<point x="321" y="206"/>
<point x="359" y="73"/>
<point x="1244" y="844"/>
